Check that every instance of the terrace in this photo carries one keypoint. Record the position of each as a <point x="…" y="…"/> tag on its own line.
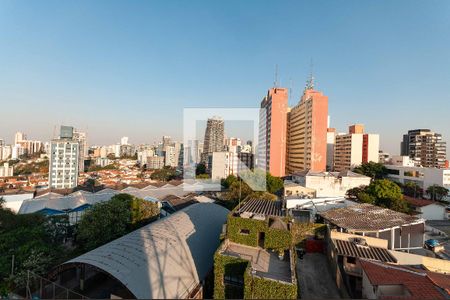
<point x="264" y="263"/>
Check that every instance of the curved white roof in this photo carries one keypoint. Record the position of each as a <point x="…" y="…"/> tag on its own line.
<point x="167" y="258"/>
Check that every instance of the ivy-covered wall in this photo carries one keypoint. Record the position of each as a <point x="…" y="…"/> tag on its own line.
<point x="274" y="238"/>
<point x="261" y="288"/>
<point x="277" y="239"/>
<point x="255" y="287"/>
<point x="224" y="264"/>
<point x="234" y="226"/>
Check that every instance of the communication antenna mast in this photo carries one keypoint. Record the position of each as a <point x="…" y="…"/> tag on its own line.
<point x="310" y="81"/>
<point x="275" y="83"/>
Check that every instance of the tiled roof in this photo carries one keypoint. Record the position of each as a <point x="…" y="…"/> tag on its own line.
<point x="352" y="249"/>
<point x="367" y="217"/>
<point x="419" y="202"/>
<point x="263" y="207"/>
<point x="418" y="283"/>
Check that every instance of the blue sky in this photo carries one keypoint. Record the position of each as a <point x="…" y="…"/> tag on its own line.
<point x="130" y="67"/>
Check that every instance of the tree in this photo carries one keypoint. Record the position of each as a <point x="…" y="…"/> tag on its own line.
<point x="165" y="174"/>
<point x="372" y="169"/>
<point x="261" y="196"/>
<point x="273" y="184"/>
<point x="202" y="176"/>
<point x="412" y="189"/>
<point x="112" y="219"/>
<point x="354" y="192"/>
<point x="2" y="202"/>
<point x="227" y="182"/>
<point x="436" y="192"/>
<point x="387" y="194"/>
<point x="200" y="169"/>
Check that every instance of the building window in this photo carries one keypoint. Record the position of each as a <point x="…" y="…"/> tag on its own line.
<point x="244" y="232"/>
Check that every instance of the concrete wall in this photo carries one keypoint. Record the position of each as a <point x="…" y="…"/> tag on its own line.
<point x="432" y="212"/>
<point x="433" y="264"/>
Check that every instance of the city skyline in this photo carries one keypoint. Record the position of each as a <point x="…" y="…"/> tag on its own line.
<point x="146" y="62"/>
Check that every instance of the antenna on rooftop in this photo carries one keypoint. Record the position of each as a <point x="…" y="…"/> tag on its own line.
<point x="275" y="83"/>
<point x="310" y="81"/>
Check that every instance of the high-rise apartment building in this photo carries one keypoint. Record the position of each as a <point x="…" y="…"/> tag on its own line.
<point x="83" y="148"/>
<point x="355" y="148"/>
<point x="425" y="148"/>
<point x="64" y="158"/>
<point x="214" y="137"/>
<point x="307" y="132"/>
<point x="19" y="137"/>
<point x="6" y="170"/>
<point x="271" y="155"/>
<point x="124" y="140"/>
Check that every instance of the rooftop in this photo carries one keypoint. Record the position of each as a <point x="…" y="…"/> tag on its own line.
<point x="355" y="249"/>
<point x="367" y="217"/>
<point x="166" y="258"/>
<point x="262" y="207"/>
<point x="264" y="263"/>
<point x="419" y="202"/>
<point x="417" y="282"/>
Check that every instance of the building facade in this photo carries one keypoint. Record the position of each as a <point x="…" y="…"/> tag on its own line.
<point x="307" y="132"/>
<point x="64" y="158"/>
<point x="355" y="148"/>
<point x="214" y="137"/>
<point x="6" y="170"/>
<point x="273" y="132"/>
<point x="425" y="148"/>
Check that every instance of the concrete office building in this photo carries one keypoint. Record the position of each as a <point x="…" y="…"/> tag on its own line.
<point x="424" y="147"/>
<point x="271" y="155"/>
<point x="307" y="132"/>
<point x="423" y="177"/>
<point x="355" y="148"/>
<point x="64" y="159"/>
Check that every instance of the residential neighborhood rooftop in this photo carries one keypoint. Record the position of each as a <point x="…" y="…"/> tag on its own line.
<point x="354" y="249"/>
<point x="367" y="217"/>
<point x="418" y="283"/>
<point x="262" y="207"/>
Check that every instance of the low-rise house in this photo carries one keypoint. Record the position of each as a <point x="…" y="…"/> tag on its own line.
<point x="347" y="254"/>
<point x="345" y="251"/>
<point x="402" y="231"/>
<point x="427" y="209"/>
<point x="386" y="281"/>
<point x="309" y="208"/>
<point x="330" y="184"/>
<point x="292" y="189"/>
<point x="256" y="260"/>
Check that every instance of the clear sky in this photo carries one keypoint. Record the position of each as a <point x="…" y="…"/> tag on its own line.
<point x="130" y="67"/>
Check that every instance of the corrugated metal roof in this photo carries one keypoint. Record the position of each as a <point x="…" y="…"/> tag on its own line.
<point x="263" y="207"/>
<point x="347" y="248"/>
<point x="367" y="217"/>
<point x="164" y="259"/>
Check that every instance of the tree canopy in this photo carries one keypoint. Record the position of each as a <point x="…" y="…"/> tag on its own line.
<point x="109" y="220"/>
<point x="372" y="169"/>
<point x="381" y="192"/>
<point x="437" y="192"/>
<point x="165" y="174"/>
